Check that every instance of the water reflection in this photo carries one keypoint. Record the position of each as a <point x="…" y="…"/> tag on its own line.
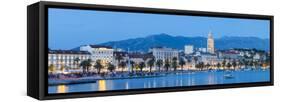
<point x="127" y="85"/>
<point x="102" y="85"/>
<point x="211" y="79"/>
<point x="171" y="80"/>
<point x="62" y="89"/>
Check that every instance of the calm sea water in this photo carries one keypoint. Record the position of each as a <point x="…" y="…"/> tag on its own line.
<point x="171" y="80"/>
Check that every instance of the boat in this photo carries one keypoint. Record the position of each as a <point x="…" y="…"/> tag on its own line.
<point x="228" y="76"/>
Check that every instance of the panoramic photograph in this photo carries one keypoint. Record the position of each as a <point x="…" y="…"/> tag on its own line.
<point x="93" y="51"/>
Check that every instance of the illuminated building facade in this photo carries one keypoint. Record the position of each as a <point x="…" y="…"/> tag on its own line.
<point x="210" y="44"/>
<point x="98" y="52"/>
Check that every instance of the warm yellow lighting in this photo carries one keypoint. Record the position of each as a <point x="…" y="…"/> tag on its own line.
<point x="65" y="72"/>
<point x="62" y="89"/>
<point x="102" y="85"/>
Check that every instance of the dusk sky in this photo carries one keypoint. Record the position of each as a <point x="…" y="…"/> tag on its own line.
<point x="69" y="28"/>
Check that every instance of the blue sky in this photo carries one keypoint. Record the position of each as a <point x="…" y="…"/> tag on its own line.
<point x="69" y="28"/>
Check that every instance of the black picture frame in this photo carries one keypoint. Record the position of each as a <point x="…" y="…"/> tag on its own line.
<point x="37" y="49"/>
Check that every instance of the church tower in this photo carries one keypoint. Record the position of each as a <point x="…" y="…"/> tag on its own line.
<point x="210" y="43"/>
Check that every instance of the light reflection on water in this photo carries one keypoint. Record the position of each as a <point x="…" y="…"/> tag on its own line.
<point x="102" y="85"/>
<point x="171" y="80"/>
<point x="62" y="89"/>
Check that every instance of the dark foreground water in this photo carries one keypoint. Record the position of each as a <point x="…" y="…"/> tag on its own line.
<point x="171" y="80"/>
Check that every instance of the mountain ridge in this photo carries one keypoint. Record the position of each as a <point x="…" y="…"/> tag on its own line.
<point x="178" y="42"/>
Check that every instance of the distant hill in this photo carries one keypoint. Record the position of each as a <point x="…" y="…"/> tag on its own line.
<point x="242" y="42"/>
<point x="178" y="42"/>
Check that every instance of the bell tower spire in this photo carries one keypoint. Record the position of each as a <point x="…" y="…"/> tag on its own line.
<point x="210" y="43"/>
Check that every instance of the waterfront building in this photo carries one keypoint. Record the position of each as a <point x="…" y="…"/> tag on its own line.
<point x="140" y="57"/>
<point x="120" y="56"/>
<point x="66" y="59"/>
<point x="257" y="57"/>
<point x="209" y="58"/>
<point x="99" y="52"/>
<point x="136" y="58"/>
<point x="248" y="54"/>
<point x="188" y="49"/>
<point x="197" y="53"/>
<point x="229" y="54"/>
<point x="201" y="49"/>
<point x="242" y="53"/>
<point x="163" y="53"/>
<point x="210" y="44"/>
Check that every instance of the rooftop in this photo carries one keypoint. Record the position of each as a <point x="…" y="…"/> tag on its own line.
<point x="100" y="46"/>
<point x="67" y="52"/>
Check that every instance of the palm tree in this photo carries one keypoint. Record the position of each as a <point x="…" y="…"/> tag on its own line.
<point x="218" y="65"/>
<point x="189" y="62"/>
<point x="167" y="64"/>
<point x="181" y="63"/>
<point x="200" y="65"/>
<point x="98" y="66"/>
<point x="239" y="63"/>
<point x="195" y="59"/>
<point x="122" y="65"/>
<point x="133" y="65"/>
<point x="251" y="64"/>
<point x="150" y="63"/>
<point x="207" y="65"/>
<point x="159" y="63"/>
<point x="267" y="61"/>
<point x="223" y="63"/>
<point x="234" y="64"/>
<point x="228" y="65"/>
<point x="110" y="67"/>
<point x="174" y="63"/>
<point x="255" y="63"/>
<point x="88" y="64"/>
<point x="83" y="65"/>
<point x="137" y="66"/>
<point x="247" y="63"/>
<point x="51" y="68"/>
<point x="141" y="65"/>
<point x="62" y="68"/>
<point x="76" y="61"/>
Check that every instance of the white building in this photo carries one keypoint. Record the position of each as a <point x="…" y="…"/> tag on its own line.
<point x="98" y="52"/>
<point x="257" y="56"/>
<point x="202" y="49"/>
<point x="210" y="44"/>
<point x="209" y="58"/>
<point x="188" y="49"/>
<point x="163" y="53"/>
<point x="232" y="54"/>
<point x="66" y="58"/>
<point x="139" y="57"/>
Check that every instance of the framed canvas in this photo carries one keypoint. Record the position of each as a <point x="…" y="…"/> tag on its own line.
<point x="83" y="50"/>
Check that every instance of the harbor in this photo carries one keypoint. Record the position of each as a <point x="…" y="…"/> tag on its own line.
<point x="170" y="80"/>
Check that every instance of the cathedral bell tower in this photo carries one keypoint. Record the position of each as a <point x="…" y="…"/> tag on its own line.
<point x="210" y="43"/>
